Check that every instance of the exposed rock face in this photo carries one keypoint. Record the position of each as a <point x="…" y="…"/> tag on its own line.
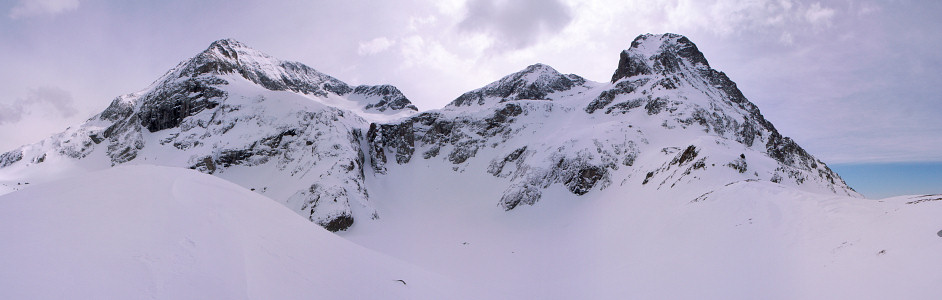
<point x="170" y="103"/>
<point x="386" y="97"/>
<point x="275" y="127"/>
<point x="10" y="158"/>
<point x="232" y="57"/>
<point x="660" y="54"/>
<point x="396" y="137"/>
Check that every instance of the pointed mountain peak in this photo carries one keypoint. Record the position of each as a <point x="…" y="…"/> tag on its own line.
<point x="659" y="54"/>
<point x="539" y="74"/>
<point x="539" y="68"/>
<point x="228" y="56"/>
<point x="199" y="83"/>
<point x="227" y="43"/>
<point x="535" y="82"/>
<point x="233" y="50"/>
<point x="382" y="98"/>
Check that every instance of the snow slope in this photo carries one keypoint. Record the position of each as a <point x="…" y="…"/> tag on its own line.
<point x="147" y="232"/>
<point x="748" y="240"/>
<point x="134" y="232"/>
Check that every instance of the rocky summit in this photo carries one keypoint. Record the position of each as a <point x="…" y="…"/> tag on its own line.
<point x="666" y="122"/>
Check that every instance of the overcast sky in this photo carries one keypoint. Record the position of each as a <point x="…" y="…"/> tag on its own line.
<point x="851" y="81"/>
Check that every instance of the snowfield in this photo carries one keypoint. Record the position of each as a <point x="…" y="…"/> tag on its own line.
<point x="147" y="232"/>
<point x="748" y="240"/>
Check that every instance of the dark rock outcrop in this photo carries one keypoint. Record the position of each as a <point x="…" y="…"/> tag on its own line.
<point x="10" y="157"/>
<point x="388" y="98"/>
<point x="228" y="56"/>
<point x="661" y="54"/>
<point x="536" y="82"/>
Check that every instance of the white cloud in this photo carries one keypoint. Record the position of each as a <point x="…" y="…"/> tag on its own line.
<point x="415" y="23"/>
<point x="787" y="38"/>
<point x="421" y="52"/>
<point x="60" y="100"/>
<point x="818" y="15"/>
<point x="31" y="8"/>
<point x="375" y="46"/>
<point x="515" y="24"/>
<point x="868" y="8"/>
<point x="731" y="17"/>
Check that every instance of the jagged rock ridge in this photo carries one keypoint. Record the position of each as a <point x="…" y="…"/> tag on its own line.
<point x="536" y="82"/>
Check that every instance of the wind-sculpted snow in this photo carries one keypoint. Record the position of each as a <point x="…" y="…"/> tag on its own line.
<point x="148" y="232"/>
<point x="667" y="121"/>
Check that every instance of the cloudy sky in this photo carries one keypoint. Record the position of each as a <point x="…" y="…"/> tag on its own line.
<point x="851" y="81"/>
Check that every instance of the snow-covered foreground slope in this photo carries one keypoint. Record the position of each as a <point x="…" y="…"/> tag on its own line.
<point x="748" y="240"/>
<point x="135" y="232"/>
<point x="146" y="232"/>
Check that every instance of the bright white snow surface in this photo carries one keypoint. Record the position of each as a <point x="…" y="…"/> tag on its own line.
<point x="147" y="232"/>
<point x="141" y="231"/>
<point x="748" y="240"/>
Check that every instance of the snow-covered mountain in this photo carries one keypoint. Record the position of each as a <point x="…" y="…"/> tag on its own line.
<point x="666" y="121"/>
<point x="277" y="127"/>
<point x="663" y="183"/>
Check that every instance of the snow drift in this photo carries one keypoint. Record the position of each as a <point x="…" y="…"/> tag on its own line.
<point x="146" y="232"/>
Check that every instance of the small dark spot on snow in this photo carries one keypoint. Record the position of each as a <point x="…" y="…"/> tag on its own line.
<point x="647" y="177"/>
<point x="881" y="252"/>
<point x="940" y="233"/>
<point x="924" y="200"/>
